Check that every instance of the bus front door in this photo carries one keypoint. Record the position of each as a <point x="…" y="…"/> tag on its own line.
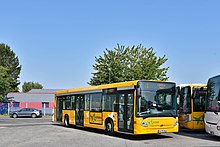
<point x="59" y="108"/>
<point x="126" y="111"/>
<point x="80" y="104"/>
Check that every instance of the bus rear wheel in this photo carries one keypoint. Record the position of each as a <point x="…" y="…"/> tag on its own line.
<point x="66" y="121"/>
<point x="109" y="127"/>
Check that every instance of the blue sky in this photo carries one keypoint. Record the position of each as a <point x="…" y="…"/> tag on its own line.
<point x="57" y="41"/>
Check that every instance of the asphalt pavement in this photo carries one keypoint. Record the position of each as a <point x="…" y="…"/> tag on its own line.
<point x="41" y="132"/>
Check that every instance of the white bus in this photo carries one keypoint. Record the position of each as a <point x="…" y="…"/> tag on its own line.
<point x="212" y="113"/>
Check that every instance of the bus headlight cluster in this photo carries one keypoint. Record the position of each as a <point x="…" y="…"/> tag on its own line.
<point x="144" y="124"/>
<point x="218" y="128"/>
<point x="175" y="123"/>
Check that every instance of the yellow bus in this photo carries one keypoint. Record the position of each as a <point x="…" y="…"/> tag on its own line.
<point x="192" y="106"/>
<point x="134" y="107"/>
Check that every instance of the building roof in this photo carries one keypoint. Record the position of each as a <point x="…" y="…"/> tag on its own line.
<point x="43" y="90"/>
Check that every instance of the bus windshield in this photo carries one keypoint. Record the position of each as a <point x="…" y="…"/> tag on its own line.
<point x="213" y="92"/>
<point x="156" y="99"/>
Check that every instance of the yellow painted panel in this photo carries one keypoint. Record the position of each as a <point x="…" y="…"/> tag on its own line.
<point x="156" y="125"/>
<point x="95" y="117"/>
<point x="86" y="118"/>
<point x="71" y="114"/>
<point x="113" y="116"/>
<point x="198" y="120"/>
<point x="194" y="121"/>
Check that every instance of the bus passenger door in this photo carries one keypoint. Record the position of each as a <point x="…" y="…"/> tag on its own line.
<point x="80" y="104"/>
<point x="59" y="108"/>
<point x="126" y="111"/>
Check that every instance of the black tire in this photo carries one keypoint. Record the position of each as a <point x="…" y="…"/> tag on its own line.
<point x="109" y="127"/>
<point x="33" y="115"/>
<point x="14" y="115"/>
<point x="66" y="121"/>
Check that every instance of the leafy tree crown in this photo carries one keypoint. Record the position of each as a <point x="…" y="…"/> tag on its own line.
<point x="9" y="71"/>
<point x="27" y="86"/>
<point x="128" y="63"/>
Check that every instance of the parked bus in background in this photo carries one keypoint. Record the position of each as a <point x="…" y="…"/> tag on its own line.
<point x="192" y="106"/>
<point x="135" y="107"/>
<point x="212" y="117"/>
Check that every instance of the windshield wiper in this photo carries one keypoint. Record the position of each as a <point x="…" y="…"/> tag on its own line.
<point x="161" y="114"/>
<point x="171" y="114"/>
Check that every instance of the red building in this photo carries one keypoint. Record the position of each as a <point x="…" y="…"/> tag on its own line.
<point x="42" y="99"/>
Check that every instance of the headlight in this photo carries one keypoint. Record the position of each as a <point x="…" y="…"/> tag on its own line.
<point x="218" y="128"/>
<point x="144" y="124"/>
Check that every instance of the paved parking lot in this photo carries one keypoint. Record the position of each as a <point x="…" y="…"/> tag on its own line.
<point x="26" y="132"/>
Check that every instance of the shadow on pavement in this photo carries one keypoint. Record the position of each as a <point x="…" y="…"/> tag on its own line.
<point x="199" y="134"/>
<point x="121" y="135"/>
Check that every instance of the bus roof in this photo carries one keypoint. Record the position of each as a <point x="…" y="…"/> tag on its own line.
<point x="193" y="85"/>
<point x="104" y="86"/>
<point x="217" y="76"/>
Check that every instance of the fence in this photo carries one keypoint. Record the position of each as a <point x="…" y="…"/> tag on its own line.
<point x="5" y="108"/>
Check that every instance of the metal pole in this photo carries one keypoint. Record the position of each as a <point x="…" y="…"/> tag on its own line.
<point x="8" y="108"/>
<point x="44" y="109"/>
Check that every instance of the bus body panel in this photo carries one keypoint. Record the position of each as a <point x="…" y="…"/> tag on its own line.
<point x="96" y="119"/>
<point x="192" y="120"/>
<point x="86" y="118"/>
<point x="55" y="110"/>
<point x="212" y="114"/>
<point x="71" y="115"/>
<point x="113" y="116"/>
<point x="198" y="120"/>
<point x="212" y="120"/>
<point x="155" y="125"/>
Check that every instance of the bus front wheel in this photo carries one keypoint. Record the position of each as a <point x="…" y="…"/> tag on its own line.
<point x="109" y="127"/>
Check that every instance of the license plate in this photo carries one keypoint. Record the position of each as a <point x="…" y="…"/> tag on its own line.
<point x="162" y="131"/>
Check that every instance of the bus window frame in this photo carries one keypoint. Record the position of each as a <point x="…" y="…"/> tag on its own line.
<point x="64" y="98"/>
<point x="90" y="106"/>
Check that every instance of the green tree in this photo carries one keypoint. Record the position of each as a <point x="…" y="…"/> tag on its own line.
<point x="27" y="86"/>
<point x="128" y="63"/>
<point x="9" y="71"/>
<point x="4" y="83"/>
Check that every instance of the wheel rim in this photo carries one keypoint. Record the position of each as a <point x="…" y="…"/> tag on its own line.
<point x="14" y="115"/>
<point x="65" y="121"/>
<point x="33" y="115"/>
<point x="109" y="127"/>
